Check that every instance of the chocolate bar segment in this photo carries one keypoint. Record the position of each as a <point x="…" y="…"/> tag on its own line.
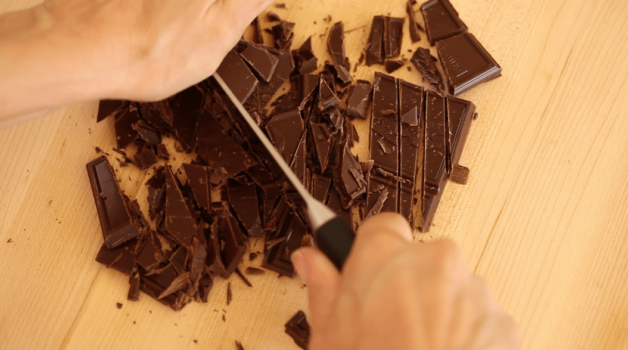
<point x="384" y="137"/>
<point x="336" y="45"/>
<point x="374" y="47"/>
<point x="237" y="75"/>
<point x="242" y="196"/>
<point x="459" y="117"/>
<point x="115" y="217"/>
<point x="120" y="258"/>
<point x="383" y="192"/>
<point x="349" y="180"/>
<point x="393" y="36"/>
<point x="441" y="20"/>
<point x="466" y="63"/>
<point x="261" y="61"/>
<point x="285" y="130"/>
<point x="435" y="156"/>
<point x="410" y="111"/>
<point x="414" y="26"/>
<point x="359" y="98"/>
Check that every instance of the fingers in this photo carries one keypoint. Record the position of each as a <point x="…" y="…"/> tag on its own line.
<point x="322" y="280"/>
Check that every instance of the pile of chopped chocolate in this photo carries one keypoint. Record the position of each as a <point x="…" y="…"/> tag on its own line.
<point x="202" y="215"/>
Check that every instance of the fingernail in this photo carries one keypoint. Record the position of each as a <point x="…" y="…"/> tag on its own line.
<point x="301" y="264"/>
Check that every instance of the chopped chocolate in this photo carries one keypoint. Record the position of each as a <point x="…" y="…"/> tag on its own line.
<point x="159" y="115"/>
<point x="336" y="45"/>
<point x="158" y="281"/>
<point x="204" y="286"/>
<point x="410" y="111"/>
<point x="218" y="149"/>
<point x="179" y="259"/>
<point x="237" y="75"/>
<point x="149" y="255"/>
<point x="298" y="328"/>
<point x="350" y="181"/>
<point x="384" y="137"/>
<point x="261" y="61"/>
<point x="179" y="283"/>
<point x="358" y="101"/>
<point x="187" y="106"/>
<point x="156" y="192"/>
<point x="242" y="277"/>
<point x="285" y="131"/>
<point x="441" y="20"/>
<point x="280" y="5"/>
<point x="378" y="205"/>
<point x="232" y="242"/>
<point x="179" y="221"/>
<point x="120" y="258"/>
<point x="283" y="33"/>
<point x="380" y="181"/>
<point x="273" y="17"/>
<point x="258" y="36"/>
<point x="119" y="305"/>
<point x="107" y="108"/>
<point x="422" y="60"/>
<point x="134" y="288"/>
<point x="147" y="132"/>
<point x="342" y="75"/>
<point x="392" y="66"/>
<point x="374" y="46"/>
<point x="435" y="156"/>
<point x="213" y="259"/>
<point x="460" y="174"/>
<point x="291" y="229"/>
<point x="239" y="345"/>
<point x="254" y="271"/>
<point x="459" y="117"/>
<point x="198" y="179"/>
<point x="298" y="164"/>
<point x="326" y="97"/>
<point x="145" y="157"/>
<point x="124" y="120"/>
<point x="393" y="35"/>
<point x="242" y="196"/>
<point x="304" y="58"/>
<point x="229" y="294"/>
<point x="466" y="63"/>
<point x="335" y="204"/>
<point x="414" y="26"/>
<point x="321" y="140"/>
<point x="115" y="217"/>
<point x="284" y="68"/>
<point x="97" y="149"/>
<point x="197" y="263"/>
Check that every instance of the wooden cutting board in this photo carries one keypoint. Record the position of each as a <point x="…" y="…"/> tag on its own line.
<point x="544" y="218"/>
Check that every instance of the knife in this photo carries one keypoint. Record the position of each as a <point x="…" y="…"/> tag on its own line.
<point x="332" y="235"/>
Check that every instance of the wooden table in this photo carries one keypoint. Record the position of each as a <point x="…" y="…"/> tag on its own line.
<point x="544" y="218"/>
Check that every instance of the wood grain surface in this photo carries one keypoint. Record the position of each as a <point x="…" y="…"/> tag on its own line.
<point x="544" y="218"/>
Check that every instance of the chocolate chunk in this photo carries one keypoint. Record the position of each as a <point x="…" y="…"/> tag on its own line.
<point x="218" y="149"/>
<point x="149" y="255"/>
<point x="179" y="283"/>
<point x="335" y="204"/>
<point x="441" y="20"/>
<point x="261" y="61"/>
<point x="107" y="108"/>
<point x="321" y="139"/>
<point x="253" y="271"/>
<point x="258" y="36"/>
<point x="298" y="164"/>
<point x="414" y="26"/>
<point x="291" y="229"/>
<point x="156" y="186"/>
<point x="242" y="196"/>
<point x="304" y="58"/>
<point x="204" y="287"/>
<point x="459" y="117"/>
<point x="435" y="156"/>
<point x="392" y="66"/>
<point x="283" y="33"/>
<point x="242" y="277"/>
<point x="213" y="260"/>
<point x="393" y="35"/>
<point x="422" y="60"/>
<point x="145" y="157"/>
<point x="466" y="63"/>
<point x="410" y="111"/>
<point x="384" y="137"/>
<point x="336" y="45"/>
<point x="237" y="75"/>
<point x="198" y="179"/>
<point x="380" y="181"/>
<point x="284" y="68"/>
<point x="180" y="222"/>
<point x="120" y="258"/>
<point x="273" y="17"/>
<point x="285" y="131"/>
<point x="334" y="119"/>
<point x="298" y="328"/>
<point x="378" y="205"/>
<point x="460" y="174"/>
<point x="232" y="238"/>
<point x="320" y="187"/>
<point x="147" y="132"/>
<point x="157" y="282"/>
<point x="187" y="106"/>
<point x="179" y="259"/>
<point x="134" y="288"/>
<point x="326" y="97"/>
<point x="374" y="47"/>
<point x="124" y="129"/>
<point x="115" y="217"/>
<point x="159" y="115"/>
<point x="197" y="263"/>
<point x="358" y="101"/>
<point x="350" y="181"/>
<point x="342" y="75"/>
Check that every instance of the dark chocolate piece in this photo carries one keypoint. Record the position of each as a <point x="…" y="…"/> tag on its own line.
<point x="237" y="75"/>
<point x="358" y="100"/>
<point x="410" y="111"/>
<point x="283" y="33"/>
<point x="280" y="5"/>
<point x="157" y="281"/>
<point x="197" y="263"/>
<point x="198" y="179"/>
<point x="335" y="204"/>
<point x="422" y="60"/>
<point x="179" y="221"/>
<point x="393" y="35"/>
<point x="273" y="17"/>
<point x="284" y="68"/>
<point x="120" y="258"/>
<point x="466" y="63"/>
<point x="149" y="255"/>
<point x="261" y="61"/>
<point x="380" y="181"/>
<point x="115" y="218"/>
<point x="258" y="36"/>
<point x="435" y="156"/>
<point x="242" y="196"/>
<point x="336" y="45"/>
<point x="232" y="241"/>
<point x="285" y="131"/>
<point x="378" y="205"/>
<point x="119" y="305"/>
<point x="107" y="108"/>
<point x="243" y="278"/>
<point x="460" y="174"/>
<point x="298" y="165"/>
<point x="213" y="260"/>
<point x="342" y="75"/>
<point x="298" y="328"/>
<point x="321" y="140"/>
<point x="459" y="117"/>
<point x="320" y="187"/>
<point x="239" y="345"/>
<point x="229" y="293"/>
<point x="350" y="181"/>
<point x="147" y="132"/>
<point x="304" y="58"/>
<point x="414" y="26"/>
<point x="179" y="283"/>
<point x="162" y="152"/>
<point x="134" y="288"/>
<point x="156" y="192"/>
<point x="158" y="114"/>
<point x="392" y="66"/>
<point x="441" y="20"/>
<point x="205" y="286"/>
<point x="374" y="47"/>
<point x="290" y="229"/>
<point x="326" y="97"/>
<point x="145" y="157"/>
<point x="218" y="149"/>
<point x="384" y="137"/>
<point x="254" y="271"/>
<point x="124" y="130"/>
<point x="179" y="259"/>
<point x="187" y="106"/>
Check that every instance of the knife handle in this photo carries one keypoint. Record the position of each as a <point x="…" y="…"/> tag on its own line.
<point x="335" y="239"/>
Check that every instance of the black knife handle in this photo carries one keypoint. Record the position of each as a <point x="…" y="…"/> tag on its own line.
<point x="335" y="239"/>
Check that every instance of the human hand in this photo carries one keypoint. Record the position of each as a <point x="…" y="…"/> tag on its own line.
<point x="395" y="294"/>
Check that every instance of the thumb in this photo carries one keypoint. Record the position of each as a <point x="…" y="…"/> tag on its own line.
<point x="322" y="280"/>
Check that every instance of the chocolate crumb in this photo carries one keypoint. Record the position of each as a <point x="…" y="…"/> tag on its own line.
<point x="98" y="150"/>
<point x="476" y="116"/>
<point x="119" y="305"/>
<point x="252" y="256"/>
<point x="10" y="240"/>
<point x="239" y="345"/>
<point x="460" y="174"/>
<point x="254" y="271"/>
<point x="195" y="341"/>
<point x="229" y="295"/>
<point x="224" y="319"/>
<point x="133" y="322"/>
<point x="280" y="5"/>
